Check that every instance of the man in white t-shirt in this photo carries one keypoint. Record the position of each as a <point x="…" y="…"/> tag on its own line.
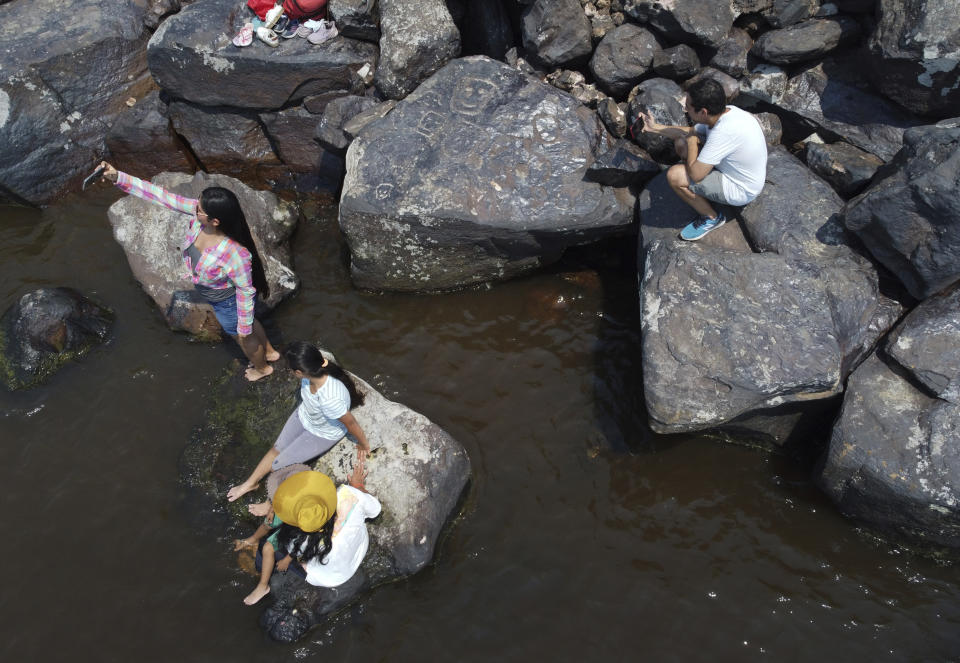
<point x="730" y="168"/>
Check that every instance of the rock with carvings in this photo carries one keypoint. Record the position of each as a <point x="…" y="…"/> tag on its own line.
<point x="663" y="99"/>
<point x="476" y="176"/>
<point x="191" y="57"/>
<point x="417" y="37"/>
<point x="894" y="457"/>
<point x="62" y="88"/>
<point x="152" y="238"/>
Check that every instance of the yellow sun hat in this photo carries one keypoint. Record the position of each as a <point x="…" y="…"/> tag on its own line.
<point x="306" y="500"/>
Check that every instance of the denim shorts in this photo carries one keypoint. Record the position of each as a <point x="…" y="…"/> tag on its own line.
<point x="226" y="312"/>
<point x="711" y="187"/>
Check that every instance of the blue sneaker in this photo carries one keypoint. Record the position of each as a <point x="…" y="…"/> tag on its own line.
<point x="701" y="226"/>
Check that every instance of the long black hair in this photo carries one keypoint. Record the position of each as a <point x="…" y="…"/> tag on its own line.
<point x="305" y="357"/>
<point x="306" y="546"/>
<point x="221" y="204"/>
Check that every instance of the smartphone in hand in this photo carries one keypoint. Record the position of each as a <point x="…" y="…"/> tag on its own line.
<point x="89" y="179"/>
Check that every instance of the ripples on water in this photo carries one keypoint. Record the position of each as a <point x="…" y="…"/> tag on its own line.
<point x="584" y="536"/>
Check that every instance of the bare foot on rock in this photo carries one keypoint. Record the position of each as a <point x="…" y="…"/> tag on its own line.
<point x="253" y="374"/>
<point x="258" y="593"/>
<point x="272" y="356"/>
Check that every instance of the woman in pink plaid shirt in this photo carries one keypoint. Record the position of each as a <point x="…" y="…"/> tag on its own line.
<point x="222" y="260"/>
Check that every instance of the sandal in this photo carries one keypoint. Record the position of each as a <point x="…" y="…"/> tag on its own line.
<point x="268" y="37"/>
<point x="245" y="36"/>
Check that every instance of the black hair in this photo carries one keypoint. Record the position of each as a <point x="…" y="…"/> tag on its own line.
<point x="305" y="357"/>
<point x="707" y="93"/>
<point x="307" y="546"/>
<point x="222" y="204"/>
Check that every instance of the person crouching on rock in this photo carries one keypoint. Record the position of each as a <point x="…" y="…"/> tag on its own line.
<point x="328" y="557"/>
<point x="321" y="420"/>
<point x="731" y="167"/>
<point x="222" y="260"/>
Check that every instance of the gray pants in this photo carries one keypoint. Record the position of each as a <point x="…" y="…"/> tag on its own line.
<point x="298" y="445"/>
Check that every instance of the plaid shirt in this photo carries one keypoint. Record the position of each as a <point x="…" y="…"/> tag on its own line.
<point x="219" y="267"/>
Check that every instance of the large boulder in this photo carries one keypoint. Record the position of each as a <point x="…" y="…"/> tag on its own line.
<point x="142" y="138"/>
<point x="913" y="55"/>
<point x="622" y="58"/>
<point x="416" y="470"/>
<point x="731" y="57"/>
<point x="62" y="88"/>
<point x="191" y="56"/>
<point x="556" y="33"/>
<point x="476" y="176"/>
<point x="152" y="238"/>
<point x="358" y="19"/>
<point x="329" y="131"/>
<point x="909" y="217"/>
<point x="663" y="99"/>
<point x="705" y="22"/>
<point x="927" y="344"/>
<point x="894" y="457"/>
<point x="291" y="131"/>
<point x="417" y="37"/>
<point x="677" y="62"/>
<point x="787" y="12"/>
<point x="806" y="41"/>
<point x="828" y="100"/>
<point x="45" y="329"/>
<point x="848" y="169"/>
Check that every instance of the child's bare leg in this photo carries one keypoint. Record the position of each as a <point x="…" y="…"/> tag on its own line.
<point x="266" y="570"/>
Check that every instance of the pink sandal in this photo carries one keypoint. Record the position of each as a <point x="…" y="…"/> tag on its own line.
<point x="245" y="36"/>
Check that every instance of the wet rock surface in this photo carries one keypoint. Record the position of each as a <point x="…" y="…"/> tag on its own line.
<point x="476" y="176"/>
<point x="152" y="238"/>
<point x="45" y="329"/>
<point x="416" y="470"/>
<point x="894" y="457"/>
<point x="417" y="38"/>
<point x="909" y="218"/>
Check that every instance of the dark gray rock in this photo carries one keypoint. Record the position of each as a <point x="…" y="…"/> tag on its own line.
<point x="765" y="83"/>
<point x="45" y="329"/>
<point x="909" y="218"/>
<point x="225" y="140"/>
<point x="159" y="9"/>
<point x="152" y="238"/>
<point x="731" y="88"/>
<point x="613" y="116"/>
<point x="624" y="164"/>
<point x="731" y="57"/>
<point x="827" y="99"/>
<point x="336" y="113"/>
<point x="476" y="176"/>
<point x="142" y="139"/>
<point x="847" y="168"/>
<point x="357" y="19"/>
<point x="622" y="58"/>
<point x="556" y="33"/>
<point x="804" y="41"/>
<point x="703" y="21"/>
<point x="486" y="29"/>
<point x="787" y="12"/>
<point x="772" y="128"/>
<point x="416" y="470"/>
<point x="727" y="335"/>
<point x="914" y="55"/>
<point x="291" y="131"/>
<point x="356" y="124"/>
<point x="927" y="344"/>
<point x="663" y="99"/>
<point x="191" y="56"/>
<point x="63" y="83"/>
<point x="894" y="457"/>
<point x="417" y="37"/>
<point x="676" y="63"/>
<point x="856" y="6"/>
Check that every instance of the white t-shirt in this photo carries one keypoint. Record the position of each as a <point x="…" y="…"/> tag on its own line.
<point x="319" y="413"/>
<point x="737" y="148"/>
<point x="350" y="539"/>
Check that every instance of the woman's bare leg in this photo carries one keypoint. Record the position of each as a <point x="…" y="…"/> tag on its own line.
<point x="266" y="570"/>
<point x="270" y="352"/>
<point x="261" y="470"/>
<point x="254" y="346"/>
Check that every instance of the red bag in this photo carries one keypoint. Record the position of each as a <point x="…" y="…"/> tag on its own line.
<point x="304" y="9"/>
<point x="260" y="7"/>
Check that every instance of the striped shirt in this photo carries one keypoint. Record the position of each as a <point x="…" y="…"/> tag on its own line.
<point x="224" y="265"/>
<point x="320" y="412"/>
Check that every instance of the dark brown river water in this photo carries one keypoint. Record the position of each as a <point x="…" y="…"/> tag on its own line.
<point x="584" y="536"/>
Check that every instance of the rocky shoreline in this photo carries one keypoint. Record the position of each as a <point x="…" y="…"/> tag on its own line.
<point x="473" y="142"/>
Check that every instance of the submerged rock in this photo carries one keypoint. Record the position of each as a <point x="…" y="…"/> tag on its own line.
<point x="476" y="176"/>
<point x="894" y="457"/>
<point x="46" y="328"/>
<point x="416" y="470"/>
<point x="152" y="238"/>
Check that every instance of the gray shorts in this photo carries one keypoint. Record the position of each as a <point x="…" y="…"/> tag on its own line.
<point x="298" y="445"/>
<point x="710" y="187"/>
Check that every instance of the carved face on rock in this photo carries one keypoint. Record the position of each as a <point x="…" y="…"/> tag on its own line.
<point x="472" y="95"/>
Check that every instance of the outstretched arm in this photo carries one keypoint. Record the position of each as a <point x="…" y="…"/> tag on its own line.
<point x="354" y="429"/>
<point x="149" y="191"/>
<point x="670" y="131"/>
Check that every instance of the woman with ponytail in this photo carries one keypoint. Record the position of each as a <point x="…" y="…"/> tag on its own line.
<point x="222" y="260"/>
<point x="327" y="394"/>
